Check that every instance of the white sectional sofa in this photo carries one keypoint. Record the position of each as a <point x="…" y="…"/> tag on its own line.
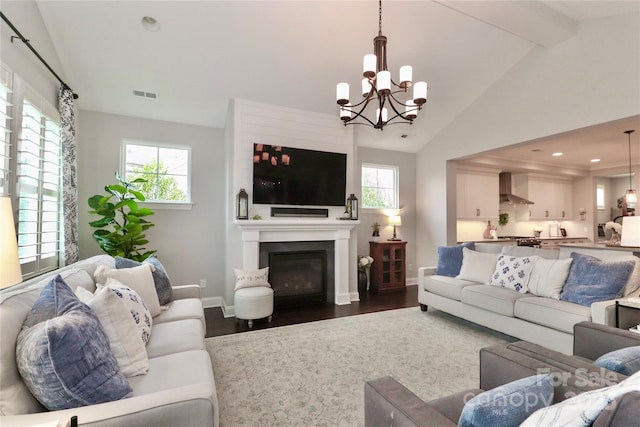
<point x="545" y="321"/>
<point x="177" y="390"/>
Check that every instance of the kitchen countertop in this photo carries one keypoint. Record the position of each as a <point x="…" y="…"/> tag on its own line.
<point x="634" y="249"/>
<point x="515" y="240"/>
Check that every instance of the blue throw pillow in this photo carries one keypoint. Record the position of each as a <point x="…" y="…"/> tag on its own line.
<point x="625" y="361"/>
<point x="591" y="280"/>
<point x="160" y="277"/>
<point x="63" y="353"/>
<point x="450" y="259"/>
<point x="508" y="405"/>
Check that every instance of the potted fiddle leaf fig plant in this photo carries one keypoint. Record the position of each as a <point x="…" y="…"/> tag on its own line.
<point x="122" y="223"/>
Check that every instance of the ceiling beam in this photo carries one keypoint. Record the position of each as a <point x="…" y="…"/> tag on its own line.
<point x="530" y="20"/>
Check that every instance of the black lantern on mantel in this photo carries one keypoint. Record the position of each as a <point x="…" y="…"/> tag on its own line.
<point x="352" y="206"/>
<point x="242" y="206"/>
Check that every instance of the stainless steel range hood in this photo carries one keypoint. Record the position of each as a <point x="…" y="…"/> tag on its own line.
<point x="504" y="184"/>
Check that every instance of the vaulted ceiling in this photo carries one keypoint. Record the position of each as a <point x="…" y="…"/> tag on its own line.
<point x="292" y="53"/>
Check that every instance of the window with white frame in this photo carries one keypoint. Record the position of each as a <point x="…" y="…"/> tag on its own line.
<point x="31" y="172"/>
<point x="166" y="169"/>
<point x="600" y="197"/>
<point x="379" y="186"/>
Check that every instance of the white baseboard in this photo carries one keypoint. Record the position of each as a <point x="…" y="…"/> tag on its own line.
<point x="411" y="281"/>
<point x="210" y="302"/>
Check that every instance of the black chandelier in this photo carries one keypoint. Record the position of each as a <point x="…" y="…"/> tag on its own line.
<point x="377" y="86"/>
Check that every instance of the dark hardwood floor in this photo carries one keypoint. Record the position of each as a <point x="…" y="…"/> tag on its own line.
<point x="369" y="303"/>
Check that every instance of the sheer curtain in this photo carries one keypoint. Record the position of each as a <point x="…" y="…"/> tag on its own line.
<point x="69" y="175"/>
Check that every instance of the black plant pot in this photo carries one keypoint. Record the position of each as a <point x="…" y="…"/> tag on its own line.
<point x="362" y="282"/>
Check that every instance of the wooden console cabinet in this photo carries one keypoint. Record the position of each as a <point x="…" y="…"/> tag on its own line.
<point x="388" y="268"/>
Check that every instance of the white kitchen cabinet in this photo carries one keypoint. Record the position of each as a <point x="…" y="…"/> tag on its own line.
<point x="477" y="195"/>
<point x="552" y="199"/>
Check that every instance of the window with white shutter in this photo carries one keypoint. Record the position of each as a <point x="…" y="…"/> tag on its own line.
<point x="31" y="172"/>
<point x="5" y="130"/>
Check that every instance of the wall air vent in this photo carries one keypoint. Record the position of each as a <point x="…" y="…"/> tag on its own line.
<point x="145" y="94"/>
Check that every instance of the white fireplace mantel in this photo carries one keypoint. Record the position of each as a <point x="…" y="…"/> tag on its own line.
<point x="300" y="230"/>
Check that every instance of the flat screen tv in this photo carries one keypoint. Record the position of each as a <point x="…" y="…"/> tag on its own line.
<point x="294" y="176"/>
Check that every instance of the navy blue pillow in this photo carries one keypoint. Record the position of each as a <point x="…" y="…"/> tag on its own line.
<point x="160" y="277"/>
<point x="63" y="353"/>
<point x="450" y="259"/>
<point x="591" y="280"/>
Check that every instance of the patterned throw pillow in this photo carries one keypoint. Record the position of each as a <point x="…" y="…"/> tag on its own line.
<point x="63" y="353"/>
<point x="136" y="306"/>
<point x="513" y="272"/>
<point x="160" y="277"/>
<point x="124" y="337"/>
<point x="251" y="278"/>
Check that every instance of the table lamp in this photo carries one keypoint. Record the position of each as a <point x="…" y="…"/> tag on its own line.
<point x="630" y="231"/>
<point x="395" y="220"/>
<point x="10" y="272"/>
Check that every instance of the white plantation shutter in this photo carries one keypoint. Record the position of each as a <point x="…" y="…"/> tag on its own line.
<point x="38" y="185"/>
<point x="5" y="130"/>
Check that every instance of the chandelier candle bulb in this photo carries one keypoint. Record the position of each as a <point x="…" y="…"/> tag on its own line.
<point x="405" y="76"/>
<point x="342" y="93"/>
<point x="345" y="113"/>
<point x="366" y="87"/>
<point x="410" y="110"/>
<point x="369" y="65"/>
<point x="383" y="82"/>
<point x="384" y="115"/>
<point x="420" y="93"/>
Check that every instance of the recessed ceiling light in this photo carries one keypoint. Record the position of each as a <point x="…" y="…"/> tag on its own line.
<point x="595" y="160"/>
<point x="150" y="23"/>
<point x="557" y="154"/>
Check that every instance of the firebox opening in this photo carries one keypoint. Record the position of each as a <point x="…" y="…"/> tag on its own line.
<point x="298" y="277"/>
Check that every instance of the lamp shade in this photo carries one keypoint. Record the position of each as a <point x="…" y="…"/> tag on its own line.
<point x="10" y="272"/>
<point x="630" y="231"/>
<point x="395" y="220"/>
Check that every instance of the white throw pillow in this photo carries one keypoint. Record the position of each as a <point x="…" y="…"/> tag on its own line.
<point x="477" y="266"/>
<point x="513" y="272"/>
<point x="548" y="277"/>
<point x="124" y="338"/>
<point x="252" y="278"/>
<point x="140" y="279"/>
<point x="634" y="280"/>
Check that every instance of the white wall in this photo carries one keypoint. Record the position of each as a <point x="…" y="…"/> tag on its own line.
<point x="406" y="163"/>
<point x="190" y="243"/>
<point x="251" y="122"/>
<point x="589" y="79"/>
<point x="25" y="16"/>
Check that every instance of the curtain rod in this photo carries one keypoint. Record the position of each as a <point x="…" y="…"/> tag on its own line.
<point x="35" y="52"/>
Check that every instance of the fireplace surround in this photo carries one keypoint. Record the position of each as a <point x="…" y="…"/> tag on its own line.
<point x="336" y="232"/>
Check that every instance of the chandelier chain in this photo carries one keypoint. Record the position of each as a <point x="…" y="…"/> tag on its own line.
<point x="380" y="17"/>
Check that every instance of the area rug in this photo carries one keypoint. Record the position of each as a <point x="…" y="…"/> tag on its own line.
<point x="313" y="374"/>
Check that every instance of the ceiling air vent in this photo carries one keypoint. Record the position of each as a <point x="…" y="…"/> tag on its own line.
<point x="144" y="94"/>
